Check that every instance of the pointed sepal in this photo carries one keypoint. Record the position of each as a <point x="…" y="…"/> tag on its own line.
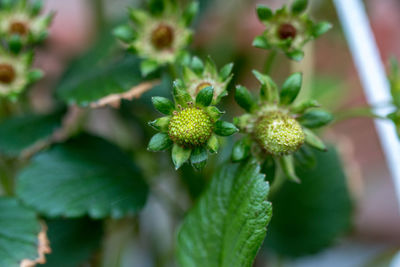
<point x="159" y="142"/>
<point x="180" y="155"/>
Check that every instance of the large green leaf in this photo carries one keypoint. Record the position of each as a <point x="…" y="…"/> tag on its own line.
<point x="309" y="216"/>
<point x="72" y="241"/>
<point x="20" y="133"/>
<point x="228" y="224"/>
<point x="19" y="229"/>
<point x="102" y="71"/>
<point x="86" y="175"/>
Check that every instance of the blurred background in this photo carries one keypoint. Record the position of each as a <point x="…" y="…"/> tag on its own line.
<point x="225" y="30"/>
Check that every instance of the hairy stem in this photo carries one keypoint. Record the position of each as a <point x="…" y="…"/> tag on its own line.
<point x="270" y="61"/>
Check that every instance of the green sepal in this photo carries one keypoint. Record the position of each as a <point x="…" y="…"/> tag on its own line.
<point x="188" y="74"/>
<point x="241" y="150"/>
<point x="214" y="112"/>
<point x="224" y="128"/>
<point x="313" y="140"/>
<point x="305" y="157"/>
<point x="299" y="6"/>
<point x="148" y="66"/>
<point x="156" y="7"/>
<point x="199" y="157"/>
<point x="295" y="55"/>
<point x="197" y="65"/>
<point x="304" y="106"/>
<point x="124" y="33"/>
<point x="264" y="13"/>
<point x="138" y="16"/>
<point x="269" y="90"/>
<point x="291" y="88"/>
<point x="161" y="124"/>
<point x="163" y="105"/>
<point x="35" y="75"/>
<point x="210" y="67"/>
<point x="287" y="165"/>
<point x="245" y="99"/>
<point x="159" y="142"/>
<point x="320" y="28"/>
<point x="261" y="42"/>
<point x="226" y="71"/>
<point x="213" y="144"/>
<point x="315" y="118"/>
<point x="190" y="12"/>
<point x="181" y="96"/>
<point x="242" y="121"/>
<point x="15" y="43"/>
<point x="36" y="7"/>
<point x="180" y="155"/>
<point x="205" y="96"/>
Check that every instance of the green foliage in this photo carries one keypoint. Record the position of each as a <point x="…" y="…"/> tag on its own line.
<point x="86" y="175"/>
<point x="19" y="233"/>
<point x="310" y="216"/>
<point x="72" y="241"/>
<point x="20" y="133"/>
<point x="228" y="224"/>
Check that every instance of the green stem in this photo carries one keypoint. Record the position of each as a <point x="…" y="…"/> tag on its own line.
<point x="270" y="61"/>
<point x="173" y="71"/>
<point x="358" y="112"/>
<point x="279" y="180"/>
<point x="99" y="12"/>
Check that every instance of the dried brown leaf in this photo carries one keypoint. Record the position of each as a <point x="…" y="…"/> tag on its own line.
<point x="43" y="249"/>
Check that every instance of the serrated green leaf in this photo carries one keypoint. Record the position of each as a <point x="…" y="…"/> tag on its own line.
<point x="73" y="242"/>
<point x="228" y="224"/>
<point x="291" y="88"/>
<point x="310" y="216"/>
<point x="86" y="175"/>
<point x="19" y="233"/>
<point x="20" y="133"/>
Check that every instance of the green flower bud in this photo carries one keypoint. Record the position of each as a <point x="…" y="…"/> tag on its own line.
<point x="279" y="134"/>
<point x="190" y="127"/>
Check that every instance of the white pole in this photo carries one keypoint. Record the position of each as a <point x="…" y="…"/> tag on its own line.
<point x="373" y="77"/>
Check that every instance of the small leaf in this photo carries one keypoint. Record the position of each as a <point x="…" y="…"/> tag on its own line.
<point x="261" y="42"/>
<point x="180" y="155"/>
<point x="291" y="88"/>
<point x="245" y="99"/>
<point x="73" y="242"/>
<point x="161" y="124"/>
<point x="159" y="142"/>
<point x="321" y="28"/>
<point x="299" y="6"/>
<point x="22" y="239"/>
<point x="241" y="150"/>
<point x="35" y="75"/>
<point x="269" y="90"/>
<point x="224" y="128"/>
<point x="199" y="157"/>
<point x="163" y="105"/>
<point x="205" y="96"/>
<point x="228" y="224"/>
<point x="287" y="165"/>
<point x="85" y="176"/>
<point x="190" y="12"/>
<point x="264" y="13"/>
<point x="213" y="144"/>
<point x="315" y="118"/>
<point x="15" y="43"/>
<point x="197" y="65"/>
<point x="226" y="71"/>
<point x="313" y="140"/>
